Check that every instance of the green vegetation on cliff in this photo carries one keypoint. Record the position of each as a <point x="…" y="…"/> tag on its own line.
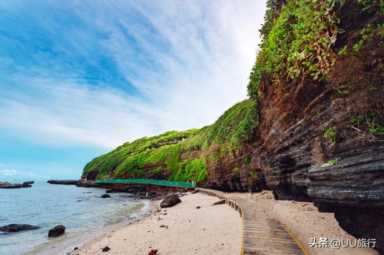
<point x="302" y="39"/>
<point x="296" y="42"/>
<point x="174" y="155"/>
<point x="299" y="39"/>
<point x="233" y="128"/>
<point x="132" y="158"/>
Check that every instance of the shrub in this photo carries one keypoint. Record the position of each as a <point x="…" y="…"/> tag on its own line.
<point x="330" y="134"/>
<point x="296" y="43"/>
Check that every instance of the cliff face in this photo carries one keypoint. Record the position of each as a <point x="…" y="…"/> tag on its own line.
<point x="313" y="129"/>
<point x="215" y="156"/>
<point x="321" y="109"/>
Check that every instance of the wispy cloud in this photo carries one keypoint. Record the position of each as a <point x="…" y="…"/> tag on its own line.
<point x="100" y="73"/>
<point x="11" y="174"/>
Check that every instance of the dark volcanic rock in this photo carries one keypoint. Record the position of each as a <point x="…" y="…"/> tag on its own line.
<point x="323" y="141"/>
<point x="17" y="228"/>
<point x="64" y="182"/>
<point x="320" y="139"/>
<point x="56" y="231"/>
<point x="153" y="252"/>
<point x="105" y="196"/>
<point x="106" y="249"/>
<point x="87" y="183"/>
<point x="169" y="201"/>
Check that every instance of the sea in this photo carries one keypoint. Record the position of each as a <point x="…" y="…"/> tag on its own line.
<point x="81" y="210"/>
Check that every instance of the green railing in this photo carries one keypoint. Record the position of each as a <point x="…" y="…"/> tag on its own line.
<point x="164" y="183"/>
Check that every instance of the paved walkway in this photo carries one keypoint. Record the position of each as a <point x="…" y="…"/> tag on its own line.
<point x="262" y="235"/>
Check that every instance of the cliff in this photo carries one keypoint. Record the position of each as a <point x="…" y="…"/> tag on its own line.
<point x="318" y="81"/>
<point x="313" y="128"/>
<point x="214" y="156"/>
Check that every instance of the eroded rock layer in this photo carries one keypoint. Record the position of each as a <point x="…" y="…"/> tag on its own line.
<point x="322" y="139"/>
<point x="313" y="129"/>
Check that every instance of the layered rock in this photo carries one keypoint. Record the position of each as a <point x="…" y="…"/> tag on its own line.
<point x="313" y="131"/>
<point x="322" y="139"/>
<point x="214" y="156"/>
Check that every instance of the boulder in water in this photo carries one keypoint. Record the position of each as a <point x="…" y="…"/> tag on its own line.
<point x="56" y="231"/>
<point x="17" y="228"/>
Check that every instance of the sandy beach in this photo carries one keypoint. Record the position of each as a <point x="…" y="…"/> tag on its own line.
<point x="192" y="227"/>
<point x="195" y="226"/>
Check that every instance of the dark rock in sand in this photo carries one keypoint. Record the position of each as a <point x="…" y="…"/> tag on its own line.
<point x="170" y="201"/>
<point x="11" y="228"/>
<point x="105" y="196"/>
<point x="153" y="252"/>
<point x="220" y="202"/>
<point x="106" y="249"/>
<point x="56" y="231"/>
<point x="198" y="207"/>
<point x="64" y="182"/>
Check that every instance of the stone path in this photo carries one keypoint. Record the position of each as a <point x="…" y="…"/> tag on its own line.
<point x="262" y="235"/>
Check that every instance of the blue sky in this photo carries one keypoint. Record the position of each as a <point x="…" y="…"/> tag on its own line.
<point x="78" y="78"/>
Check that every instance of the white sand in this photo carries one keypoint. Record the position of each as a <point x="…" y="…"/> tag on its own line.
<point x="217" y="229"/>
<point x="205" y="231"/>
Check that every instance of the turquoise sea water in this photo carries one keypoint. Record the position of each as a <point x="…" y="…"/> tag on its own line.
<point x="80" y="210"/>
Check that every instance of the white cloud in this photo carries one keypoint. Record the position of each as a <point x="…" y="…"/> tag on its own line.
<point x="70" y="114"/>
<point x="209" y="49"/>
<point x="11" y="173"/>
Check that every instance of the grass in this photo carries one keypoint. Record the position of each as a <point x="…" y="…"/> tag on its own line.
<point x="330" y="134"/>
<point x="298" y="43"/>
<point x="157" y="150"/>
<point x="369" y="122"/>
<point x="179" y="156"/>
<point x="331" y="162"/>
